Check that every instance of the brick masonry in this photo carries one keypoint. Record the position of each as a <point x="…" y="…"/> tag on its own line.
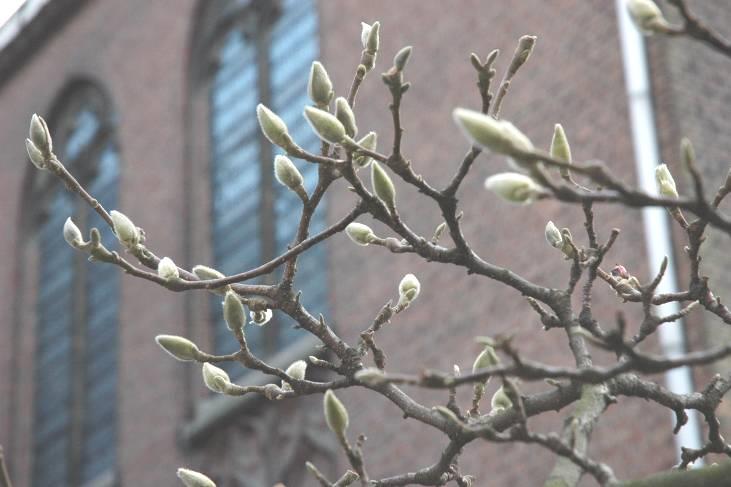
<point x="138" y="51"/>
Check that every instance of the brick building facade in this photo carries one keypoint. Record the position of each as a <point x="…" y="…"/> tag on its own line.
<point x="153" y="69"/>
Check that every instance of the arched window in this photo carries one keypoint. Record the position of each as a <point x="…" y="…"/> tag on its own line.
<point x="262" y="52"/>
<point x="74" y="436"/>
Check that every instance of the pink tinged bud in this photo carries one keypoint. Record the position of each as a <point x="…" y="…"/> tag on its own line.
<point x="620" y="271"/>
<point x="514" y="187"/>
<point x="215" y="379"/>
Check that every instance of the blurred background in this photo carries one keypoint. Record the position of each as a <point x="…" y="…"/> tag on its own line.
<point x="152" y="106"/>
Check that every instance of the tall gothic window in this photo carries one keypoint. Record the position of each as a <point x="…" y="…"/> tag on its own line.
<point x="263" y="55"/>
<point x="74" y="437"/>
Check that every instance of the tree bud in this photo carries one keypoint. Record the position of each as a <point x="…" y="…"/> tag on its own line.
<point x="273" y="127"/>
<point x="665" y="182"/>
<point x="560" y="148"/>
<point x="408" y="289"/>
<point x="514" y="187"/>
<point x="401" y="58"/>
<point x="40" y="136"/>
<point x="205" y="273"/>
<point x="178" y="347"/>
<point x="319" y="86"/>
<point x="370" y="141"/>
<point x="344" y="113"/>
<point x="370" y="36"/>
<point x="233" y="311"/>
<point x="647" y="16"/>
<point x="191" y="478"/>
<point x="72" y="234"/>
<point x="500" y="401"/>
<point x="498" y="136"/>
<point x="553" y="235"/>
<point x="325" y="125"/>
<point x="297" y="370"/>
<point x="126" y="231"/>
<point x="336" y="416"/>
<point x="486" y="358"/>
<point x="35" y="155"/>
<point x="360" y="234"/>
<point x="215" y="379"/>
<point x="371" y="376"/>
<point x="287" y="173"/>
<point x="383" y="186"/>
<point x="167" y="269"/>
<point x="260" y="318"/>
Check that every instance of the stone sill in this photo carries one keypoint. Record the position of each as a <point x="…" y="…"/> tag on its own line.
<point x="214" y="410"/>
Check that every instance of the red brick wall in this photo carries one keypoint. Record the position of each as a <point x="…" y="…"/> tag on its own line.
<point x="137" y="50"/>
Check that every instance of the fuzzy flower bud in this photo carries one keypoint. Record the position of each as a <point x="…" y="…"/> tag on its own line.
<point x="72" y="234"/>
<point x="498" y="136"/>
<point x="336" y="416"/>
<point x="500" y="401"/>
<point x="273" y="127"/>
<point x="486" y="358"/>
<point x="553" y="235"/>
<point x="287" y="173"/>
<point x="40" y="135"/>
<point x="297" y="370"/>
<point x="371" y="376"/>
<point x="665" y="182"/>
<point x="370" y="36"/>
<point x="215" y="379"/>
<point x="370" y="141"/>
<point x="319" y="86"/>
<point x="191" y="478"/>
<point x="233" y="311"/>
<point x="35" y="155"/>
<point x="514" y="187"/>
<point x="260" y="318"/>
<point x="647" y="16"/>
<point x="383" y="186"/>
<point x="408" y="289"/>
<point x="401" y="58"/>
<point x="178" y="347"/>
<point x="325" y="125"/>
<point x="560" y="148"/>
<point x="167" y="269"/>
<point x="126" y="231"/>
<point x="344" y="113"/>
<point x="360" y="234"/>
<point x="205" y="273"/>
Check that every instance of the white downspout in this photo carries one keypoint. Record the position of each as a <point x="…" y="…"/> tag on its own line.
<point x="655" y="220"/>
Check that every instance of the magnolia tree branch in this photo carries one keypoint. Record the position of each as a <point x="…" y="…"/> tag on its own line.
<point x="591" y="388"/>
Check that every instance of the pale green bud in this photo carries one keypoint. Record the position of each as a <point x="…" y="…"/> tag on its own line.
<point x="167" y="269"/>
<point x="560" y="148"/>
<point x="72" y="234"/>
<point x="665" y="182"/>
<point x="514" y="187"/>
<point x="178" y="347"/>
<point x="191" y="478"/>
<point x="371" y="376"/>
<point x="383" y="186"/>
<point x="260" y="318"/>
<point x="273" y="127"/>
<point x="553" y="235"/>
<point x="498" y="136"/>
<point x="325" y="125"/>
<point x="370" y="36"/>
<point x="319" y="86"/>
<point x="344" y="113"/>
<point x="215" y="379"/>
<point x="360" y="234"/>
<point x="370" y="141"/>
<point x="35" y="155"/>
<point x="40" y="135"/>
<point x="500" y="400"/>
<point x="408" y="289"/>
<point x="486" y="358"/>
<point x="336" y="416"/>
<point x="126" y="231"/>
<point x="287" y="173"/>
<point x="297" y="370"/>
<point x="647" y="16"/>
<point x="233" y="311"/>
<point x="401" y="58"/>
<point x="205" y="273"/>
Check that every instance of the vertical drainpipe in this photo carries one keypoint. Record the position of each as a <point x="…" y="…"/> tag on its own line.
<point x="655" y="220"/>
